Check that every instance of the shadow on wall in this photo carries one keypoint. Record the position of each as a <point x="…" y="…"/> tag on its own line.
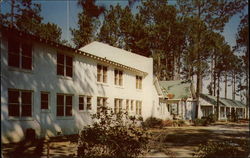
<point x="13" y="130"/>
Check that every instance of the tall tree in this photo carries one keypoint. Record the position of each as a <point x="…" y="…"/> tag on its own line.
<point x="214" y="14"/>
<point x="25" y="16"/>
<point x="87" y="22"/>
<point x="242" y="40"/>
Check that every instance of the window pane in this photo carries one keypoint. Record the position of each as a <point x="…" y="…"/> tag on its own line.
<point x="68" y="100"/>
<point x="13" y="60"/>
<point x="88" y="103"/>
<point x="69" y="71"/>
<point x="14" y="109"/>
<point x="69" y="61"/>
<point x="44" y="96"/>
<point x="81" y="103"/>
<point x="68" y="110"/>
<point x="13" y="96"/>
<point x="44" y="100"/>
<point x="26" y="98"/>
<point x="26" y="62"/>
<point x="27" y="50"/>
<point x="60" y="70"/>
<point x="104" y="74"/>
<point x="60" y="59"/>
<point x="13" y="46"/>
<point x="60" y="99"/>
<point x="26" y="110"/>
<point x="60" y="111"/>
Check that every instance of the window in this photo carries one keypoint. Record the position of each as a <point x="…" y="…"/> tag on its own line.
<point x="138" y="107"/>
<point x="138" y="82"/>
<point x="44" y="100"/>
<point x="81" y="102"/>
<point x="102" y="73"/>
<point x="20" y="103"/>
<point x="88" y="103"/>
<point x="118" y="77"/>
<point x="19" y="54"/>
<point x="118" y="106"/>
<point x="127" y="105"/>
<point x="101" y="101"/>
<point x="64" y="105"/>
<point x="132" y="105"/>
<point x="64" y="65"/>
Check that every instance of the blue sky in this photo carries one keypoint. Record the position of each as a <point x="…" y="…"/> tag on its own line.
<point x="55" y="11"/>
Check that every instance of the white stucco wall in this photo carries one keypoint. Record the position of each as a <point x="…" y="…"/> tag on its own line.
<point x="43" y="77"/>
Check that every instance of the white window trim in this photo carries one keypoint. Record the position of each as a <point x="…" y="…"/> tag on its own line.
<point x="64" y="97"/>
<point x="12" y="68"/>
<point x="22" y="118"/>
<point x="49" y="102"/>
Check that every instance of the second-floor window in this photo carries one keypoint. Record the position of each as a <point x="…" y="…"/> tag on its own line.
<point x="64" y="65"/>
<point x="19" y="54"/>
<point x="102" y="73"/>
<point x="118" y="77"/>
<point x="138" y="82"/>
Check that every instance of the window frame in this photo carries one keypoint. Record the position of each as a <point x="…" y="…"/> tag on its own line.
<point x="20" y="55"/>
<point x="48" y="93"/>
<point x="103" y="102"/>
<point x="118" y="107"/>
<point x="139" y="82"/>
<point x="118" y="77"/>
<point x="102" y="74"/>
<point x="64" y="64"/>
<point x="19" y="103"/>
<point x="65" y="105"/>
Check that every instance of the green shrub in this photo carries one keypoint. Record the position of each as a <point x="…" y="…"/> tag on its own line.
<point x="204" y="121"/>
<point x="201" y="122"/>
<point x="112" y="136"/>
<point x="152" y="122"/>
<point x="227" y="149"/>
<point x="181" y="123"/>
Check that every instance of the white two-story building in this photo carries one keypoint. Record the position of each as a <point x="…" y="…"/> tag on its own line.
<point x="54" y="89"/>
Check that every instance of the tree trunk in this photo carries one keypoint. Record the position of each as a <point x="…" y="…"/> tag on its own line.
<point x="247" y="81"/>
<point x="225" y="84"/>
<point x="233" y="87"/>
<point x="12" y="12"/>
<point x="214" y="84"/>
<point x="212" y="73"/>
<point x="218" y="95"/>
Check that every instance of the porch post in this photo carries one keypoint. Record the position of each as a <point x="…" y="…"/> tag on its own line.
<point x="225" y="112"/>
<point x="212" y="109"/>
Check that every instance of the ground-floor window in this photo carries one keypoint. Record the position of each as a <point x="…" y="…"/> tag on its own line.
<point x="117" y="106"/>
<point x="206" y="110"/>
<point x="101" y="101"/>
<point x="44" y="100"/>
<point x="138" y="107"/>
<point x="85" y="102"/>
<point x="64" y="105"/>
<point x="19" y="103"/>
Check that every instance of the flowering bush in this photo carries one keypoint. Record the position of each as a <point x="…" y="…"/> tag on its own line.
<point x="112" y="135"/>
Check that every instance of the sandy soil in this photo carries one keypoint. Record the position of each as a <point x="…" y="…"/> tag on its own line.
<point x="167" y="142"/>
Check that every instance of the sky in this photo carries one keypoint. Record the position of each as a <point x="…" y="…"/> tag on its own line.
<point x="64" y="14"/>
